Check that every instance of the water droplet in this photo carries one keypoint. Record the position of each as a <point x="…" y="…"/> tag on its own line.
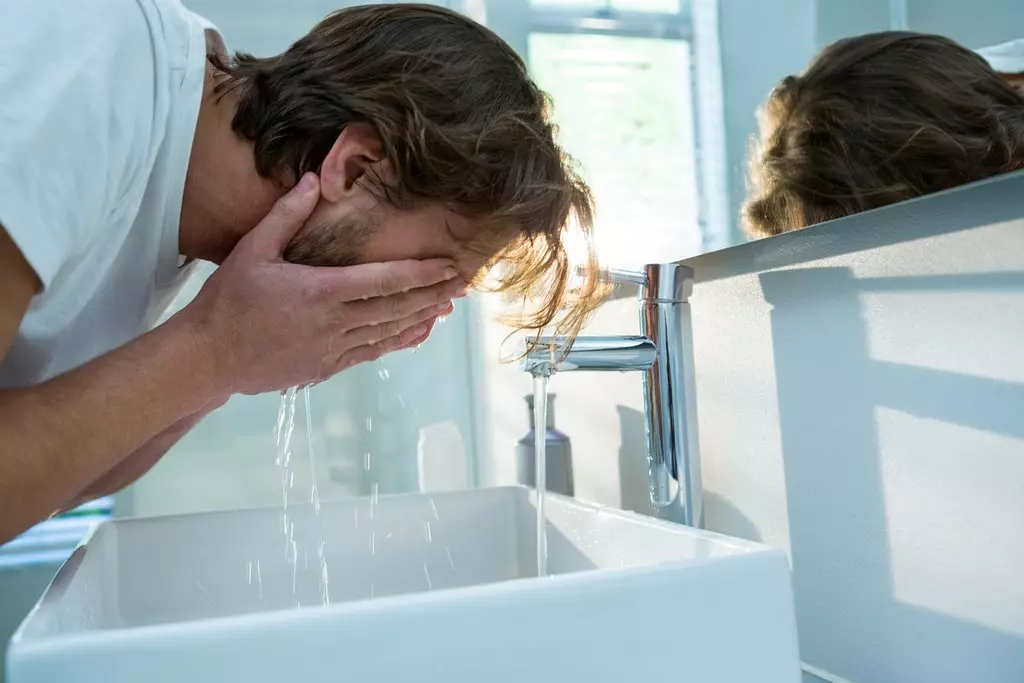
<point x="401" y="401"/>
<point x="366" y="462"/>
<point x="369" y="424"/>
<point x="250" y="572"/>
<point x="441" y="319"/>
<point x="426" y="532"/>
<point x="448" y="552"/>
<point x="384" y="374"/>
<point x="295" y="566"/>
<point x="291" y="480"/>
<point x="426" y="573"/>
<point x="373" y="543"/>
<point x="433" y="508"/>
<point x="376" y="492"/>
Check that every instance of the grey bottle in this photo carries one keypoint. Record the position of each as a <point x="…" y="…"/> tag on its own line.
<point x="559" y="454"/>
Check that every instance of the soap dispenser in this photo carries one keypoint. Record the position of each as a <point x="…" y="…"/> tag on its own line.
<point x="558" y="454"/>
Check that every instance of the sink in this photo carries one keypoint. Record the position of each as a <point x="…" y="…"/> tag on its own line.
<point x="422" y="588"/>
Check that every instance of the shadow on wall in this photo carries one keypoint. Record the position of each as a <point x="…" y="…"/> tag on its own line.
<point x="634" y="484"/>
<point x="842" y="567"/>
<point x="633" y="481"/>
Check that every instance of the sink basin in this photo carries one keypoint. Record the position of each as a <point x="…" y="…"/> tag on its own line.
<point x="422" y="588"/>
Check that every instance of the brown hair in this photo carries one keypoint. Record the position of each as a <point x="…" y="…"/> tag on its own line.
<point x="460" y="123"/>
<point x="875" y="120"/>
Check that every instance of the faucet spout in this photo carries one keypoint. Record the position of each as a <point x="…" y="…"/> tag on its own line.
<point x="673" y="462"/>
<point x="621" y="354"/>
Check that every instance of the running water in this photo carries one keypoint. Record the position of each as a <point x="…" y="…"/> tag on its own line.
<point x="283" y="441"/>
<point x="540" y="417"/>
<point x="314" y="498"/>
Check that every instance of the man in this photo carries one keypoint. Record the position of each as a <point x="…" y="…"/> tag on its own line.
<point x="881" y="118"/>
<point x="384" y="159"/>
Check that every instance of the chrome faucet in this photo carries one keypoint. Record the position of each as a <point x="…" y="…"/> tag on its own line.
<point x="672" y="458"/>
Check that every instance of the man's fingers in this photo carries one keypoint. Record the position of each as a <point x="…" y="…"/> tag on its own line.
<point x="372" y="334"/>
<point x="270" y="237"/>
<point x="371" y="352"/>
<point x="398" y="306"/>
<point x="374" y="280"/>
<point x="413" y="343"/>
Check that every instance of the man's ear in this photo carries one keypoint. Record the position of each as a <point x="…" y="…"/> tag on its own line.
<point x="356" y="152"/>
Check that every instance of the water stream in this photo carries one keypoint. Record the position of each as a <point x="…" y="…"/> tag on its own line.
<point x="283" y="438"/>
<point x="314" y="498"/>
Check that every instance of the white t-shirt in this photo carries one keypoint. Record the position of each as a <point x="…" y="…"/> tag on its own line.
<point x="98" y="108"/>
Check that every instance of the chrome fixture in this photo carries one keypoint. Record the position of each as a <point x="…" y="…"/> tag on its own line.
<point x="672" y="459"/>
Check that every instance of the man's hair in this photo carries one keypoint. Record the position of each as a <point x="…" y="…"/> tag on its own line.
<point x="875" y="120"/>
<point x="460" y="123"/>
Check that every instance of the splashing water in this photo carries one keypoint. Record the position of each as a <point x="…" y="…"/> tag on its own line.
<point x="314" y="498"/>
<point x="448" y="552"/>
<point x="259" y="578"/>
<point x="540" y="413"/>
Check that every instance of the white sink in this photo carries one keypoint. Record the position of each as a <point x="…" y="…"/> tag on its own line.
<point x="632" y="599"/>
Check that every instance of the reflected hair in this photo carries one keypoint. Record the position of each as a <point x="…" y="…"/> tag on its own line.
<point x="879" y="119"/>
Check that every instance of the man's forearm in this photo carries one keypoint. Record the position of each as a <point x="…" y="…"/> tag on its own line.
<point x="132" y="468"/>
<point x="59" y="437"/>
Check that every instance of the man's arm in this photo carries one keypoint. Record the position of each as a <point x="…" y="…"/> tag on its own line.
<point x="132" y="468"/>
<point x="259" y="324"/>
<point x="62" y="435"/>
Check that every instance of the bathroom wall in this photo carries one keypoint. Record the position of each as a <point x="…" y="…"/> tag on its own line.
<point x="977" y="24"/>
<point x="860" y="387"/>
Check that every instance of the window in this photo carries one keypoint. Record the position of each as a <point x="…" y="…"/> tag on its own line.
<point x="624" y="110"/>
<point x="629" y="85"/>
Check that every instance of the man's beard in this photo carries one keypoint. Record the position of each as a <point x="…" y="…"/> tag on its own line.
<point x="335" y="244"/>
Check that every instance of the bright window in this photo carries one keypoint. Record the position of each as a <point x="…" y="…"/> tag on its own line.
<point x="624" y="109"/>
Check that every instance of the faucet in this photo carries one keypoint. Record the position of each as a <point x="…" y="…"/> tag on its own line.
<point x="672" y="459"/>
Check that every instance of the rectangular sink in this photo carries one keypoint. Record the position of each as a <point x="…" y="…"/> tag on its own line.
<point x="423" y="588"/>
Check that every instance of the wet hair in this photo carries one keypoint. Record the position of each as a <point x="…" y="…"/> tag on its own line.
<point x="875" y="120"/>
<point x="460" y="123"/>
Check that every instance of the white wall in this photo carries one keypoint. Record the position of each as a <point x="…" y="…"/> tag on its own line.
<point x="860" y="387"/>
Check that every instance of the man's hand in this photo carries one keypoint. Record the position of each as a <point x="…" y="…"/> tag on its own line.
<point x="264" y="324"/>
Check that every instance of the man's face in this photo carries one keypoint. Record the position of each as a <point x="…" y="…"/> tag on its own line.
<point x="362" y="230"/>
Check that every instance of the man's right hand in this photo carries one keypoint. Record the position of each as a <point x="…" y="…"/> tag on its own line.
<point x="263" y="324"/>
